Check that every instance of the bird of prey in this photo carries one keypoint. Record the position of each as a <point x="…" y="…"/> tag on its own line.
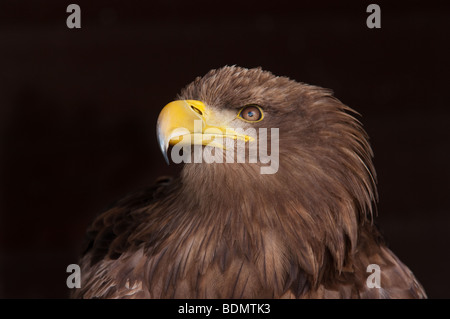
<point x="227" y="230"/>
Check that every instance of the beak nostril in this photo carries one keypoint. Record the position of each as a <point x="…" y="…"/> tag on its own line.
<point x="196" y="110"/>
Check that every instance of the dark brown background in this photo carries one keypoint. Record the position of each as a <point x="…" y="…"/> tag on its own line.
<point x="78" y="110"/>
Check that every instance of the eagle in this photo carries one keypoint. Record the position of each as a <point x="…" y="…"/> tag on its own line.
<point x="227" y="229"/>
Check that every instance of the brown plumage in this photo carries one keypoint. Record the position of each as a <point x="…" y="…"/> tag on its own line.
<point x="227" y="231"/>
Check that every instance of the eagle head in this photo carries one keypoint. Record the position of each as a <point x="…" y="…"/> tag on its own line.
<point x="321" y="182"/>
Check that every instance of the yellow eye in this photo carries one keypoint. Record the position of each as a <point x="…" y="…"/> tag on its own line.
<point x="251" y="113"/>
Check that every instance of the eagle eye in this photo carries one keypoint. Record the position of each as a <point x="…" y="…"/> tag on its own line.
<point x="251" y="113"/>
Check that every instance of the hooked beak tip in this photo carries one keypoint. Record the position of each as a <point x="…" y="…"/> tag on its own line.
<point x="166" y="157"/>
<point x="163" y="144"/>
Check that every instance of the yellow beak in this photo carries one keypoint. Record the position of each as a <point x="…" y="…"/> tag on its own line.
<point x="187" y="120"/>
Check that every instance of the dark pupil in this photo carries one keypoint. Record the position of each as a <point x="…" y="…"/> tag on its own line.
<point x="250" y="113"/>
